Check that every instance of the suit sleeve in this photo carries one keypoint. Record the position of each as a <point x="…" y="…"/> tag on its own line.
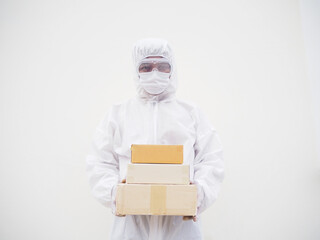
<point x="103" y="164"/>
<point x="208" y="162"/>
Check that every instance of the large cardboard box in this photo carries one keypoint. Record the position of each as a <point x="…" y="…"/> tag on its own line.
<point x="158" y="174"/>
<point x="146" y="199"/>
<point x="157" y="154"/>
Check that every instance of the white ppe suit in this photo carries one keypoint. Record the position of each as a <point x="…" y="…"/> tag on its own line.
<point x="155" y="119"/>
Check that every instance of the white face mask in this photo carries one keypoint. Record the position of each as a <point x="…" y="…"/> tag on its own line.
<point x="154" y="82"/>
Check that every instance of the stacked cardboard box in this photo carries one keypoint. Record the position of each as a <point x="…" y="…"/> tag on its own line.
<point x="157" y="183"/>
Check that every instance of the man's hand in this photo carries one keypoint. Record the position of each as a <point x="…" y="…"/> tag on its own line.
<point x="119" y="215"/>
<point x="186" y="218"/>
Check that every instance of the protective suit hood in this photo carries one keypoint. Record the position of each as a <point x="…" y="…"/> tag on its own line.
<point x="154" y="47"/>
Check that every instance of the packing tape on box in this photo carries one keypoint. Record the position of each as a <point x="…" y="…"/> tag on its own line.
<point x="158" y="199"/>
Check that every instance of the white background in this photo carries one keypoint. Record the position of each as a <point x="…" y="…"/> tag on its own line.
<point x="252" y="66"/>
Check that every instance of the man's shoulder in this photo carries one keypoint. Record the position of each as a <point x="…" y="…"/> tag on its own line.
<point x="120" y="104"/>
<point x="187" y="104"/>
<point x="192" y="108"/>
<point x="115" y="109"/>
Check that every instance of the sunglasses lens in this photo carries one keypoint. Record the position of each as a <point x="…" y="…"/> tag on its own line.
<point x="146" y="67"/>
<point x="160" y="66"/>
<point x="164" y="67"/>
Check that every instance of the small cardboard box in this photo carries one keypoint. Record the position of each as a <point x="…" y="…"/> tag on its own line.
<point x="157" y="154"/>
<point x="158" y="174"/>
<point x="147" y="199"/>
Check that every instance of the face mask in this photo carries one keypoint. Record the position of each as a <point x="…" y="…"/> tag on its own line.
<point x="154" y="82"/>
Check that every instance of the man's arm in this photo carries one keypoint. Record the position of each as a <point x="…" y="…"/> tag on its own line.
<point x="208" y="162"/>
<point x="102" y="163"/>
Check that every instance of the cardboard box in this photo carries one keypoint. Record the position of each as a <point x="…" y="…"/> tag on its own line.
<point x="157" y="154"/>
<point x="158" y="174"/>
<point x="147" y="199"/>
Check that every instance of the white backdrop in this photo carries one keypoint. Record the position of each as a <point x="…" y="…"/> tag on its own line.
<point x="64" y="63"/>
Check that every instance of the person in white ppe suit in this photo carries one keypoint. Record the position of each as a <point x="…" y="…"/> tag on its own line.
<point x="155" y="116"/>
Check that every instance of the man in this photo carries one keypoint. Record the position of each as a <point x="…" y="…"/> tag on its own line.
<point x="155" y="116"/>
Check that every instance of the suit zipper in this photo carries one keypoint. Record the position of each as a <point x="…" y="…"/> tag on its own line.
<point x="155" y="121"/>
